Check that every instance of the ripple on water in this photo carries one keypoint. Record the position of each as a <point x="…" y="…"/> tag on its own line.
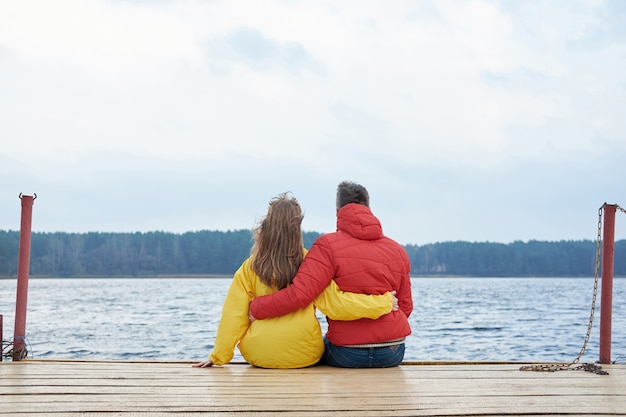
<point x="176" y="319"/>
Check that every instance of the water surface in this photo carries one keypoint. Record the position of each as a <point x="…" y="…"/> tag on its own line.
<point x="529" y="319"/>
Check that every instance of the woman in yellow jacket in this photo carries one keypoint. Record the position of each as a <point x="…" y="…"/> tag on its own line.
<point x="293" y="340"/>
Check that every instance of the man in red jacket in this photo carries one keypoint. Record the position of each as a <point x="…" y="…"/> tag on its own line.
<point x="360" y="259"/>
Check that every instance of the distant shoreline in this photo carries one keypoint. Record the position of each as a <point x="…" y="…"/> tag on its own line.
<point x="222" y="276"/>
<point x="181" y="276"/>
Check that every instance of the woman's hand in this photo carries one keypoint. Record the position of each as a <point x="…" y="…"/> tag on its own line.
<point x="394" y="301"/>
<point x="205" y="364"/>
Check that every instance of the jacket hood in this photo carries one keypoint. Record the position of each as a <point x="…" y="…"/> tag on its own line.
<point x="358" y="221"/>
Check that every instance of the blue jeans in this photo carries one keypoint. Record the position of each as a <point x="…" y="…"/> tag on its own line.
<point x="349" y="357"/>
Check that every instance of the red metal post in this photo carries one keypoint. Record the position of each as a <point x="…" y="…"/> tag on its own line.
<point x="608" y="253"/>
<point x="23" y="265"/>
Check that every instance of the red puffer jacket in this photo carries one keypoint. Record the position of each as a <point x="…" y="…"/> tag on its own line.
<point x="360" y="259"/>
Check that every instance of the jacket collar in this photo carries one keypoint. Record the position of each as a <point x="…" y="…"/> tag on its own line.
<point x="358" y="221"/>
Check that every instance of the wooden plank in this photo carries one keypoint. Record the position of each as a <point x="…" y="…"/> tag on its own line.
<point x="127" y="389"/>
<point x="160" y="413"/>
<point x="488" y="406"/>
<point x="599" y="404"/>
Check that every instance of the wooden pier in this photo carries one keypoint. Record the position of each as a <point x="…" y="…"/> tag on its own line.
<point x="50" y="388"/>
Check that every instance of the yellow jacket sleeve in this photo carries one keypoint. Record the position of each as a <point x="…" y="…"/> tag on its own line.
<point x="346" y="306"/>
<point x="234" y="321"/>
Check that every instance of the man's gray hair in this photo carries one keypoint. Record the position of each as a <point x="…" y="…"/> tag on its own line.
<point x="351" y="192"/>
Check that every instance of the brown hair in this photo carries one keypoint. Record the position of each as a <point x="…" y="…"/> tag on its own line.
<point x="277" y="251"/>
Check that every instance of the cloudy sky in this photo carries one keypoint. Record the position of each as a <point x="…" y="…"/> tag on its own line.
<point x="467" y="120"/>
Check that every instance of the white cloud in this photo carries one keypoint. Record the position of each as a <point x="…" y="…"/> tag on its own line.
<point x="105" y="39"/>
<point x="443" y="103"/>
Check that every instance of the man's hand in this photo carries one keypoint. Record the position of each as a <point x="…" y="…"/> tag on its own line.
<point x="394" y="301"/>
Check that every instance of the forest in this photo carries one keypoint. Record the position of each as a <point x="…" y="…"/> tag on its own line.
<point x="220" y="253"/>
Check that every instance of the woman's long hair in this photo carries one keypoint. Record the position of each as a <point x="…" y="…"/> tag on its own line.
<point x="278" y="249"/>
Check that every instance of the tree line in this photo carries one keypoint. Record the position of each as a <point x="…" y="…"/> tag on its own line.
<point x="103" y="254"/>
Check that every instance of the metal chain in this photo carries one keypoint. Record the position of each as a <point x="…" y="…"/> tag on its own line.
<point x="8" y="350"/>
<point x="595" y="287"/>
<point x="597" y="369"/>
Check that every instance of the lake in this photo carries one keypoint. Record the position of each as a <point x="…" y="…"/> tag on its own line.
<point x="175" y="319"/>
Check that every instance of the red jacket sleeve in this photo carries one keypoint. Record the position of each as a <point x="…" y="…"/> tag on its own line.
<point x="404" y="294"/>
<point x="314" y="274"/>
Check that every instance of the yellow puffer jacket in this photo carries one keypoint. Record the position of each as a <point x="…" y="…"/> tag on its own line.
<point x="290" y="341"/>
